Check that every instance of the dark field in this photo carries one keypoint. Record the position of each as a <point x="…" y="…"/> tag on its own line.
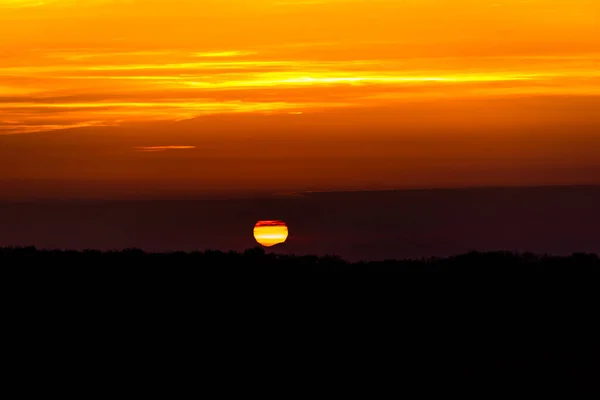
<point x="475" y="322"/>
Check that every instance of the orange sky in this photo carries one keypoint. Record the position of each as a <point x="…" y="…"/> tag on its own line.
<point x="299" y="94"/>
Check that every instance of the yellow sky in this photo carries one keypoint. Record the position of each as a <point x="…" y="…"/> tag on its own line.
<point x="298" y="94"/>
<point x="68" y="63"/>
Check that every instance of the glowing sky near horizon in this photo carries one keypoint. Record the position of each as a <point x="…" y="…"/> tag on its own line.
<point x="66" y="63"/>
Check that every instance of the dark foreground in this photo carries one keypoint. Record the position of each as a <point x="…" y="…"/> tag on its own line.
<point x="257" y="259"/>
<point x="481" y="319"/>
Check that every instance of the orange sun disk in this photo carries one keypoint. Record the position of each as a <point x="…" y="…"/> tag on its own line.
<point x="270" y="233"/>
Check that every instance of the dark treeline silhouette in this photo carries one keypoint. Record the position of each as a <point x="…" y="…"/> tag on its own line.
<point x="478" y="318"/>
<point x="473" y="263"/>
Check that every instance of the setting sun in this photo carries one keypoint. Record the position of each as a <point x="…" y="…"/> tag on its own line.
<point x="270" y="233"/>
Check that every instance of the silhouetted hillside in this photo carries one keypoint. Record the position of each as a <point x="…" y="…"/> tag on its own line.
<point x="487" y="318"/>
<point x="256" y="258"/>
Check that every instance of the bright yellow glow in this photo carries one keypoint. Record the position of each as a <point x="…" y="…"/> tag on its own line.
<point x="68" y="63"/>
<point x="270" y="233"/>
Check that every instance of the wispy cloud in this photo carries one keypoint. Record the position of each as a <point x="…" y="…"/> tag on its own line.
<point x="314" y="2"/>
<point x="77" y="87"/>
<point x="224" y="54"/>
<point x="153" y="149"/>
<point x="20" y="3"/>
<point x="51" y="79"/>
<point x="52" y="3"/>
